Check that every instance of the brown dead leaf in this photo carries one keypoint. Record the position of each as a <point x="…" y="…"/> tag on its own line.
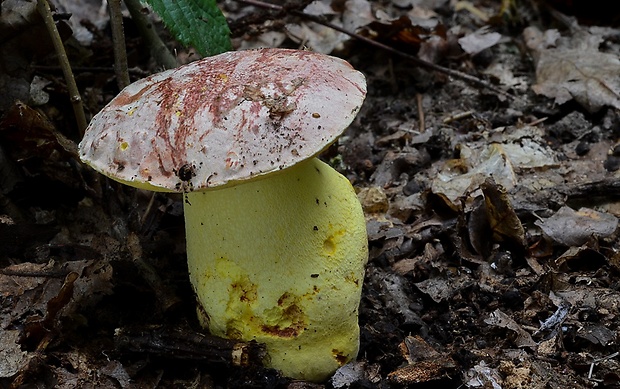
<point x="581" y="258"/>
<point x="502" y="218"/>
<point x="400" y="32"/>
<point x="324" y="39"/>
<point x="80" y="372"/>
<point x="479" y="40"/>
<point x="35" y="144"/>
<point x="415" y="349"/>
<point x="467" y="173"/>
<point x="601" y="300"/>
<point x="374" y="200"/>
<point x="421" y="35"/>
<point x="483" y="376"/>
<point x="395" y="165"/>
<point x="502" y="320"/>
<point x="478" y="227"/>
<point x="354" y="372"/>
<point x="440" y="289"/>
<point x="598" y="334"/>
<point x="345" y="376"/>
<point x="574" y="228"/>
<point x="23" y="37"/>
<point x="11" y="355"/>
<point x="430" y="254"/>
<point x="398" y="299"/>
<point x="576" y="69"/>
<point x="425" y="363"/>
<point x="47" y="291"/>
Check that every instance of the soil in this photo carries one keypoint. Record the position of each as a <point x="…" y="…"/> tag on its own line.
<point x="491" y="204"/>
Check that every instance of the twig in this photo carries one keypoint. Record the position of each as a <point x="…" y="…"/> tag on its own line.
<point x="159" y="51"/>
<point x="181" y="343"/>
<point x="594" y="362"/>
<point x="76" y="100"/>
<point x="428" y="65"/>
<point x="421" y="121"/>
<point x="118" y="38"/>
<point x="34" y="273"/>
<point x="457" y="116"/>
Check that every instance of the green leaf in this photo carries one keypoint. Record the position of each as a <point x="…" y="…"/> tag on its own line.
<point x="196" y="23"/>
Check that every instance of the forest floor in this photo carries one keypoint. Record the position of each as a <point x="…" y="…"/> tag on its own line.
<point x="489" y="177"/>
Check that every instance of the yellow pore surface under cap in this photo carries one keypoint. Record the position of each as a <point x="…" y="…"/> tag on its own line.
<point x="281" y="260"/>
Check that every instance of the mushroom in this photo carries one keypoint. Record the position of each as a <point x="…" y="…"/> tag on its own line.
<point x="276" y="238"/>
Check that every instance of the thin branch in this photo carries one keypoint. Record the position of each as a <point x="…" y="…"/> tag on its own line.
<point x="159" y="51"/>
<point x="74" y="94"/>
<point x="118" y="38"/>
<point x="428" y="65"/>
<point x="421" y="120"/>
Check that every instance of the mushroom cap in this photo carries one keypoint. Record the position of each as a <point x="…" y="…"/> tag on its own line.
<point x="223" y="119"/>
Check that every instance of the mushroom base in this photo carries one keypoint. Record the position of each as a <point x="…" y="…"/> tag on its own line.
<point x="281" y="260"/>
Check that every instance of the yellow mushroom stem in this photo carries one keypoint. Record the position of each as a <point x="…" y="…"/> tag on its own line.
<point x="280" y="260"/>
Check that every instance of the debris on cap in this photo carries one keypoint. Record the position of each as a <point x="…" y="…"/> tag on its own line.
<point x="224" y="119"/>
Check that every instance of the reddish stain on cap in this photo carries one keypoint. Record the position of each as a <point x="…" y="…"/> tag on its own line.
<point x="224" y="119"/>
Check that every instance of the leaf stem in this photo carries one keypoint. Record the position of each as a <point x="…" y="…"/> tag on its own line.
<point x="76" y="100"/>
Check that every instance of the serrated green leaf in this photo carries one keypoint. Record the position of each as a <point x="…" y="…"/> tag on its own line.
<point x="196" y="23"/>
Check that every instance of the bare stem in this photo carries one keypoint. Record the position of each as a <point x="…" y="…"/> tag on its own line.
<point x="118" y="37"/>
<point x="76" y="100"/>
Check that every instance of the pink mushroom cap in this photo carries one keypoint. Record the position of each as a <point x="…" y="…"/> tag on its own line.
<point x="224" y="119"/>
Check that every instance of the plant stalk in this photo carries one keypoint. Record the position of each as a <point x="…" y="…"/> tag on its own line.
<point x="118" y="38"/>
<point x="76" y="100"/>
